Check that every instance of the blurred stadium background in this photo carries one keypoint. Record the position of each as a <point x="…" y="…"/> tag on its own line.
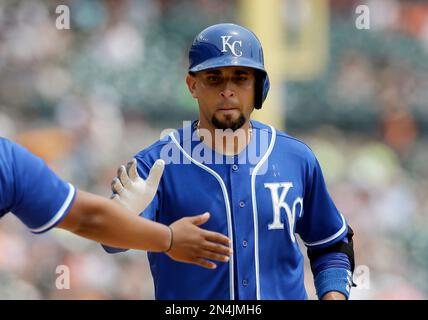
<point x="88" y="98"/>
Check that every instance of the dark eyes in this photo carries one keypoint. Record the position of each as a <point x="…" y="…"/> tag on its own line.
<point x="212" y="78"/>
<point x="217" y="78"/>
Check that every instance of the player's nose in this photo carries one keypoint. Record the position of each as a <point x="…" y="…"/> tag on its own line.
<point x="228" y="90"/>
<point x="227" y="93"/>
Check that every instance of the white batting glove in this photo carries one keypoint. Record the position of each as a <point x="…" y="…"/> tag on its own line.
<point x="133" y="192"/>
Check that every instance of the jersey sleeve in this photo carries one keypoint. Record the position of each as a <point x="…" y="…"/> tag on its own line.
<point x="321" y="223"/>
<point x="37" y="196"/>
<point x="151" y="211"/>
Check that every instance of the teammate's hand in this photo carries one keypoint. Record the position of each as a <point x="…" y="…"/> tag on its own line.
<point x="131" y="191"/>
<point x="192" y="244"/>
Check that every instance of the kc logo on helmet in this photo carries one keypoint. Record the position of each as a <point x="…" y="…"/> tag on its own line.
<point x="231" y="46"/>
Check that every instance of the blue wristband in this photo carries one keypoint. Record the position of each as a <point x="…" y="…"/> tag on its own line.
<point x="333" y="279"/>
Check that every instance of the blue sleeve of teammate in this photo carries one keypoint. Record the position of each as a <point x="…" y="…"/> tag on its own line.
<point x="35" y="194"/>
<point x="321" y="224"/>
<point x="150" y="211"/>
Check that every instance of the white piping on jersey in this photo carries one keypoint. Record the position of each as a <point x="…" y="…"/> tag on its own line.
<point x="331" y="238"/>
<point x="59" y="214"/>
<point x="228" y="210"/>
<point x="255" y="217"/>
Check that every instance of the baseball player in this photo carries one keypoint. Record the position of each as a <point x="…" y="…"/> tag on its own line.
<point x="261" y="186"/>
<point x="32" y="192"/>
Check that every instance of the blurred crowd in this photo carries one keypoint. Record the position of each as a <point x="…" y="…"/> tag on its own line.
<point x="88" y="98"/>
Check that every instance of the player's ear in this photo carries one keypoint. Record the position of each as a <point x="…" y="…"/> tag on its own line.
<point x="191" y="84"/>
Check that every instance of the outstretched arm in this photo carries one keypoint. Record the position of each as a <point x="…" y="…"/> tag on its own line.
<point x="105" y="221"/>
<point x="41" y="200"/>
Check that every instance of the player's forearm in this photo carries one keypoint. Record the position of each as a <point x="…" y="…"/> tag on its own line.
<point x="332" y="275"/>
<point x="104" y="221"/>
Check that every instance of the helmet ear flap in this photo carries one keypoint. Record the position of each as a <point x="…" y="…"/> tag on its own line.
<point x="259" y="89"/>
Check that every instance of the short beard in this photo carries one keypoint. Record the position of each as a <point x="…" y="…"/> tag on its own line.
<point x="229" y="124"/>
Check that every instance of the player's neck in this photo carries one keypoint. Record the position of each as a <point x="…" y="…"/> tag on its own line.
<point x="225" y="142"/>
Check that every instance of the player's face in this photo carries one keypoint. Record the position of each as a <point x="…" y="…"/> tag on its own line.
<point x="225" y="95"/>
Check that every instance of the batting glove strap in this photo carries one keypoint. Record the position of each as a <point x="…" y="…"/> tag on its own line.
<point x="333" y="279"/>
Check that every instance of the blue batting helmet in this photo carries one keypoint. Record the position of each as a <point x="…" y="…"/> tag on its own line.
<point x="228" y="44"/>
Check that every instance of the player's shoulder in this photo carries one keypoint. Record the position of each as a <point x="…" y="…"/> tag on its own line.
<point x="14" y="158"/>
<point x="5" y="145"/>
<point x="151" y="153"/>
<point x="154" y="151"/>
<point x="6" y="154"/>
<point x="9" y="149"/>
<point x="285" y="142"/>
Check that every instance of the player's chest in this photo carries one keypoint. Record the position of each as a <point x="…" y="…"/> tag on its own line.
<point x="237" y="188"/>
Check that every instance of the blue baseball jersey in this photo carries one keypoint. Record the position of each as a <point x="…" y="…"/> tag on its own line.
<point x="30" y="190"/>
<point x="260" y="198"/>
